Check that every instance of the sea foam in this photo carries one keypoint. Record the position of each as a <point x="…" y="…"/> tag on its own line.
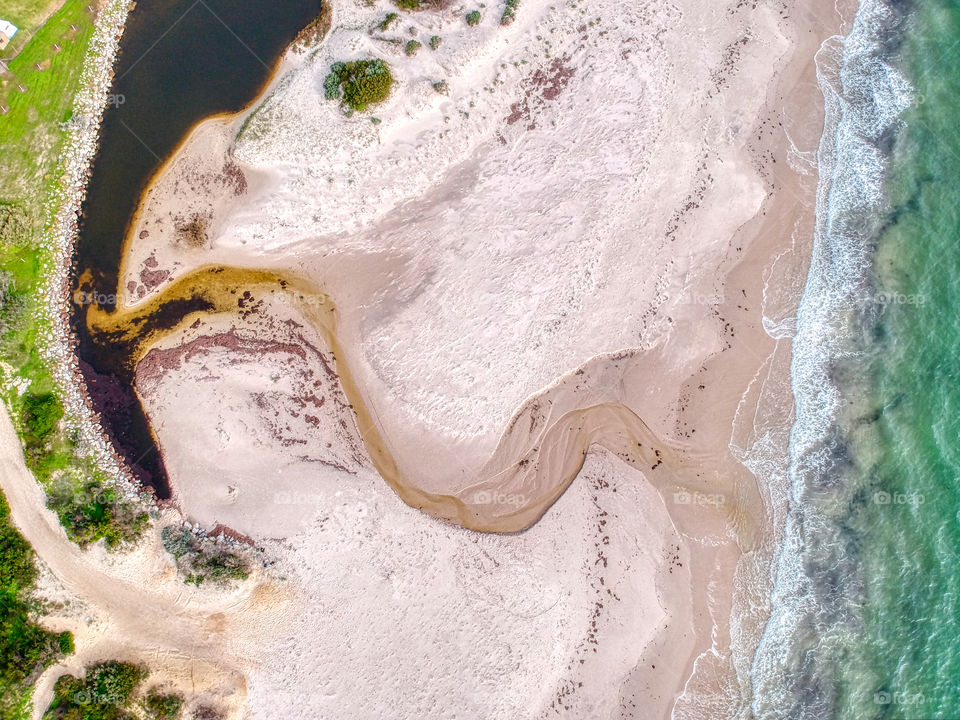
<point x="817" y="589"/>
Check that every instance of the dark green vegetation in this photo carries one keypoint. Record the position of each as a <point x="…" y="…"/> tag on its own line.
<point x="202" y="560"/>
<point x="106" y="692"/>
<point x="420" y="4"/>
<point x="435" y="41"/>
<point x="412" y="47"/>
<point x="90" y="512"/>
<point x="509" y="12"/>
<point x="359" y="84"/>
<point x="32" y="134"/>
<point x="26" y="649"/>
<point x="473" y="18"/>
<point x="388" y="21"/>
<point x="158" y="705"/>
<point x="441" y="87"/>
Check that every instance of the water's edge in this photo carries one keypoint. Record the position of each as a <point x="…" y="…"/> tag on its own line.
<point x="817" y="584"/>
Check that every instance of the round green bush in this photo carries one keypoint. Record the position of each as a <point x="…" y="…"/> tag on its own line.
<point x="359" y="83"/>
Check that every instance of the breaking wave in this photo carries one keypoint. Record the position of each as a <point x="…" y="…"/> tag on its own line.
<point x="817" y="591"/>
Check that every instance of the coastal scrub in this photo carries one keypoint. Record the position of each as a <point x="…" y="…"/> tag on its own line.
<point x="104" y="692"/>
<point x="509" y="12"/>
<point x="358" y="84"/>
<point x="26" y="649"/>
<point x="388" y="21"/>
<point x="199" y="560"/>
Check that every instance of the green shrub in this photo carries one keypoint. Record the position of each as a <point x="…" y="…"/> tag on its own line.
<point x="41" y="413"/>
<point x="160" y="706"/>
<point x="65" y="642"/>
<point x="435" y="41"/>
<point x="359" y="83"/>
<point x="90" y="511"/>
<point x="441" y="87"/>
<point x="223" y="566"/>
<point x="26" y="649"/>
<point x="387" y="21"/>
<point x="414" y="5"/>
<point x="102" y="694"/>
<point x="176" y="541"/>
<point x="199" y="561"/>
<point x="411" y="48"/>
<point x="473" y="18"/>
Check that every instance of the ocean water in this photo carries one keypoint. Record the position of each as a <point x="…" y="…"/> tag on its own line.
<point x="866" y="620"/>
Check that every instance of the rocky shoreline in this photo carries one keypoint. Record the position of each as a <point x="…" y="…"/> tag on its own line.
<point x="56" y="337"/>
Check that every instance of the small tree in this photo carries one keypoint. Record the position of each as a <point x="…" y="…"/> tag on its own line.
<point x="473" y="18"/>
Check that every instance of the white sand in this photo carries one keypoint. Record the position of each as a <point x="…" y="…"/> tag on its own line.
<point x="548" y="236"/>
<point x="468" y="273"/>
<point x="399" y="615"/>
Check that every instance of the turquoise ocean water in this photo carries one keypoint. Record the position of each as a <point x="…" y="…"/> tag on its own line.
<point x="866" y="621"/>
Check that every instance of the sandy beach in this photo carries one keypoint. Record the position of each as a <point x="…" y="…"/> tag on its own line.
<point x="562" y="295"/>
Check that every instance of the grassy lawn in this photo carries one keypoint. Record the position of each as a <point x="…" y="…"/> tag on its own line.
<point x="30" y="132"/>
<point x="28" y="16"/>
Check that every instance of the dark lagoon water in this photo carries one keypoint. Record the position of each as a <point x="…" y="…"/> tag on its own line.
<point x="180" y="61"/>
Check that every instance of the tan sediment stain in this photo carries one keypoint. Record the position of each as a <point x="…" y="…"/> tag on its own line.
<point x="268" y="596"/>
<point x="524" y="476"/>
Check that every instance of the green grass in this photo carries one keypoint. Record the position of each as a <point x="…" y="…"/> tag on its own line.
<point x="28" y="16"/>
<point x="32" y="137"/>
<point x="26" y="649"/>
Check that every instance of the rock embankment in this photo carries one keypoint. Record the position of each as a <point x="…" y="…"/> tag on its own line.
<point x="57" y="340"/>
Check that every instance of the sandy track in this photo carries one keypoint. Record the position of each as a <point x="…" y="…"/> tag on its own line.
<point x="139" y="608"/>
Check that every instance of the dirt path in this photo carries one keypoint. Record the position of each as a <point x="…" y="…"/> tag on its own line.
<point x="137" y="607"/>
